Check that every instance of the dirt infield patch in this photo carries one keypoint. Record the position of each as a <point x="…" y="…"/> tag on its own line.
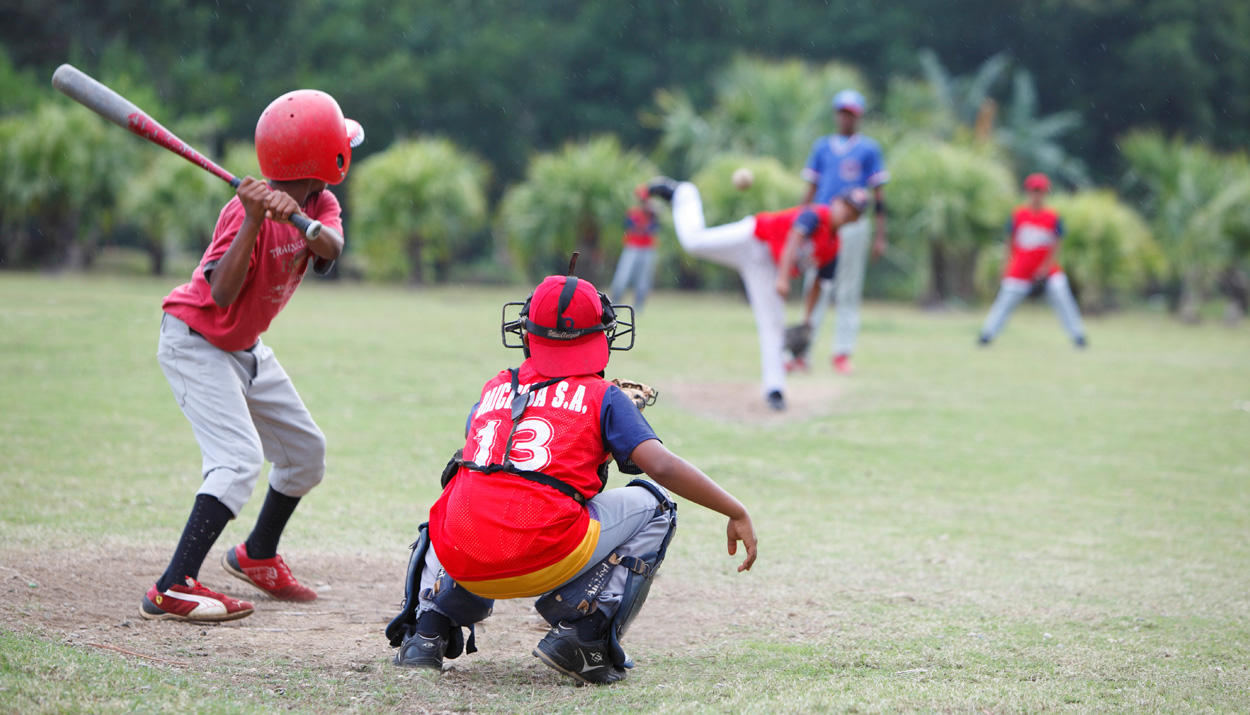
<point x="90" y="598"/>
<point x="806" y="396"/>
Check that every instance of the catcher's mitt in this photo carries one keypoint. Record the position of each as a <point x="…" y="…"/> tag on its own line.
<point x="798" y="339"/>
<point x="642" y="394"/>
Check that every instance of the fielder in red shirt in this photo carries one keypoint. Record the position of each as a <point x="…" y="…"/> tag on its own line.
<point x="524" y="512"/>
<point x="1032" y="246"/>
<point x="636" y="266"/>
<point x="241" y="404"/>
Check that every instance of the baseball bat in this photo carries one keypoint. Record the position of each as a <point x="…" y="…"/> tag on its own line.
<point x="82" y="88"/>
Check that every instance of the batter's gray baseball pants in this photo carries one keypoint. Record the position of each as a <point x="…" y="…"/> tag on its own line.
<point x="243" y="410"/>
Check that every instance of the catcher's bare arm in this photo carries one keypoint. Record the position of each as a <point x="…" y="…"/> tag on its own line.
<point x="689" y="482"/>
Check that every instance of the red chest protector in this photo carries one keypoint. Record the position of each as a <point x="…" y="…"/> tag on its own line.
<point x="546" y="431"/>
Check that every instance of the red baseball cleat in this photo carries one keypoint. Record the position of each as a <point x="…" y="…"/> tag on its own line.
<point x="269" y="575"/>
<point x="192" y="602"/>
<point x="842" y="363"/>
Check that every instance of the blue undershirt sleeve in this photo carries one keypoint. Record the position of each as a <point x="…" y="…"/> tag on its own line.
<point x="624" y="428"/>
<point x="807" y="222"/>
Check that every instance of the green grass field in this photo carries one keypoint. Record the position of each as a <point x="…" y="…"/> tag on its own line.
<point x="1020" y="528"/>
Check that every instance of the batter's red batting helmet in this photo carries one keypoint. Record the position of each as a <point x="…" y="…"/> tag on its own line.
<point x="303" y="135"/>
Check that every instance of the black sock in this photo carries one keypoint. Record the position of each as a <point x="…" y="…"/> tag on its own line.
<point x="433" y="623"/>
<point x="208" y="519"/>
<point x="262" y="543"/>
<point x="593" y="627"/>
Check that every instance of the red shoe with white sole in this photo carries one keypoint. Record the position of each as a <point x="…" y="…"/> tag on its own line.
<point x="192" y="602"/>
<point x="270" y="575"/>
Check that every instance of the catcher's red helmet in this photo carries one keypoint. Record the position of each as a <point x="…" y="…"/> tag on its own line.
<point x="303" y="135"/>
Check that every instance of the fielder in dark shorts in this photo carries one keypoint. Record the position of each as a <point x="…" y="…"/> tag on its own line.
<point x="524" y="512"/>
<point x="242" y="406"/>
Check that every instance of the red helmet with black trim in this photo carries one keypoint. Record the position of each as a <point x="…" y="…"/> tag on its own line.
<point x="303" y="135"/>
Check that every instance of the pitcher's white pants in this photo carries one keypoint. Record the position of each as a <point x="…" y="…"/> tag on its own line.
<point x="735" y="245"/>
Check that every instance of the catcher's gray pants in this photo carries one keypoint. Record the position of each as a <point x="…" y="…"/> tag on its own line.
<point x="628" y="526"/>
<point x="847" y="287"/>
<point x="1013" y="291"/>
<point x="634" y="270"/>
<point x="735" y="245"/>
<point x="243" y="410"/>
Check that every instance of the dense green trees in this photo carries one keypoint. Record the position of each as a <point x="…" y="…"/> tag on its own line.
<point x="1039" y="84"/>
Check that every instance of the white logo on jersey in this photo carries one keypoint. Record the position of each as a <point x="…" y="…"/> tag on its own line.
<point x="850" y="170"/>
<point x="1030" y="236"/>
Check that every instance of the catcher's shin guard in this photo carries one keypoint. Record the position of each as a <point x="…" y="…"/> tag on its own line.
<point x="576" y="599"/>
<point x="405" y="623"/>
<point x="445" y="596"/>
<point x="641" y="571"/>
<point x="580" y="597"/>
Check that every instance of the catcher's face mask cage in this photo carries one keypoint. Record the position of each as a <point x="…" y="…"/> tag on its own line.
<point x="616" y="322"/>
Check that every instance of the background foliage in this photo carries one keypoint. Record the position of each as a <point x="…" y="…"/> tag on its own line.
<point x="1051" y="85"/>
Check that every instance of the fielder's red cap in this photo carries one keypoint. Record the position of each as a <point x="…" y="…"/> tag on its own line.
<point x="1037" y="182"/>
<point x="565" y="328"/>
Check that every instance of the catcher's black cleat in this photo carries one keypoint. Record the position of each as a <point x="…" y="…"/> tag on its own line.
<point x="983" y="339"/>
<point x="421" y="651"/>
<point x="425" y="651"/>
<point x="661" y="187"/>
<point x="584" y="661"/>
<point x="1080" y="342"/>
<point x="776" y="400"/>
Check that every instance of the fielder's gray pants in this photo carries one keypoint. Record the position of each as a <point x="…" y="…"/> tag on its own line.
<point x="847" y="287"/>
<point x="628" y="526"/>
<point x="1013" y="291"/>
<point x="735" y="245"/>
<point x="634" y="270"/>
<point x="243" y="410"/>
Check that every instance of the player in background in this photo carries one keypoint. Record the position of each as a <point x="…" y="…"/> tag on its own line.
<point x="767" y="249"/>
<point x="524" y="511"/>
<point x="636" y="266"/>
<point x="837" y="163"/>
<point x="1033" y="239"/>
<point x="242" y="406"/>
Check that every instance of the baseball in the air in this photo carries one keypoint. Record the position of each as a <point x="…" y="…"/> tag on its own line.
<point x="743" y="178"/>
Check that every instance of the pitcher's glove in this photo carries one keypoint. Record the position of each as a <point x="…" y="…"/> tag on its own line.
<point x="798" y="339"/>
<point x="642" y="394"/>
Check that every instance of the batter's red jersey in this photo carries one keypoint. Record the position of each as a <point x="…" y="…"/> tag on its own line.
<point x="772" y="227"/>
<point x="275" y="269"/>
<point x="501" y="535"/>
<point x="1035" y="235"/>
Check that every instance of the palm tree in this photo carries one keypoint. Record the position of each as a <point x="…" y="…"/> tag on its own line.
<point x="949" y="202"/>
<point x="567" y="203"/>
<point x="964" y="99"/>
<point x="761" y="108"/>
<point x="1033" y="140"/>
<point x="414" y="207"/>
<point x="61" y="172"/>
<point x="1192" y="197"/>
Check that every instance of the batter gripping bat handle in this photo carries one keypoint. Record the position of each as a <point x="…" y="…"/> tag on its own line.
<point x="310" y="228"/>
<point x="84" y="89"/>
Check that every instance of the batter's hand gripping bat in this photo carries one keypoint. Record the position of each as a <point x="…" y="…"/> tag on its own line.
<point x="82" y="88"/>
